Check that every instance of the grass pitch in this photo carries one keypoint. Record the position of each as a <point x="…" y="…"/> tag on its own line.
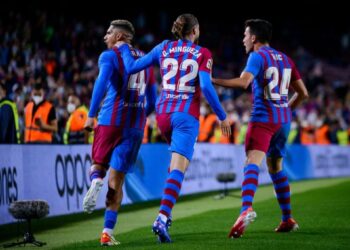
<point x="321" y="208"/>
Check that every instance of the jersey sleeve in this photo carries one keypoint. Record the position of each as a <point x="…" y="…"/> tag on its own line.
<point x="205" y="61"/>
<point x="151" y="92"/>
<point x="295" y="73"/>
<point x="105" y="64"/>
<point x="210" y="94"/>
<point x="132" y="66"/>
<point x="254" y="64"/>
<point x="205" y="67"/>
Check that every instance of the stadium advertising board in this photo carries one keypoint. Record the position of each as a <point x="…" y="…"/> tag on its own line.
<point x="60" y="174"/>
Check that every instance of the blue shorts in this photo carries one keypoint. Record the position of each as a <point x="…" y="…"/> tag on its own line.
<point x="125" y="153"/>
<point x="180" y="130"/>
<point x="278" y="142"/>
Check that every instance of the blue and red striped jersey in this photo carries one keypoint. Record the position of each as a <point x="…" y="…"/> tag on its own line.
<point x="273" y="71"/>
<point x="180" y="61"/>
<point x="124" y="102"/>
<point x="185" y="68"/>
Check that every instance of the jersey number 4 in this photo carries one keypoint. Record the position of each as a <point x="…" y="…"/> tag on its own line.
<point x="272" y="72"/>
<point x="137" y="82"/>
<point x="180" y="86"/>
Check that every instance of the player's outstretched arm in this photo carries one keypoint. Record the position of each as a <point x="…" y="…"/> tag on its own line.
<point x="213" y="100"/>
<point x="131" y="65"/>
<point x="240" y="82"/>
<point x="300" y="94"/>
<point x="105" y="72"/>
<point x="252" y="68"/>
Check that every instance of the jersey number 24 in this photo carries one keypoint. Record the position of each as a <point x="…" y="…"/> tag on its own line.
<point x="272" y="72"/>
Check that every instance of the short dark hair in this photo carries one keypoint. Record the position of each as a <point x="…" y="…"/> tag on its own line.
<point x="183" y="25"/>
<point x="124" y="25"/>
<point x="262" y="29"/>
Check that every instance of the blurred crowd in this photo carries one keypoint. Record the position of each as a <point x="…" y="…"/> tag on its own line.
<point x="60" y="54"/>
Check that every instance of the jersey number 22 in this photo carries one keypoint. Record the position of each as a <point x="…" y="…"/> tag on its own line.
<point x="180" y="86"/>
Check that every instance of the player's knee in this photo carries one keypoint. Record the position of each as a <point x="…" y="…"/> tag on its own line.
<point x="255" y="157"/>
<point x="179" y="162"/>
<point x="253" y="160"/>
<point x="274" y="164"/>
